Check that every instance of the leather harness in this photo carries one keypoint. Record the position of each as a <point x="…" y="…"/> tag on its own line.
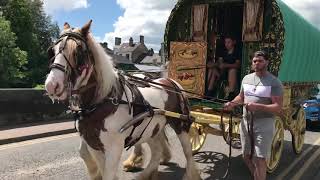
<point x="91" y="118"/>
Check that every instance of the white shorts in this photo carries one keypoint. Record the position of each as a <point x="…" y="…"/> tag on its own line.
<point x="263" y="130"/>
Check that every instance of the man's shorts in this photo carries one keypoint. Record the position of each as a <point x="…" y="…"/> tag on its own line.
<point x="263" y="130"/>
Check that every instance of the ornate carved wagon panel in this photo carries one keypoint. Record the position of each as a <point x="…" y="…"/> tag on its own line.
<point x="187" y="65"/>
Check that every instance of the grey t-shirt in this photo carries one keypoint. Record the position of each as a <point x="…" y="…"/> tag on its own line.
<point x="259" y="90"/>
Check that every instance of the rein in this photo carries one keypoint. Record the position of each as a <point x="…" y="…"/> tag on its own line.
<point x="250" y="132"/>
<point x="250" y="127"/>
<point x="174" y="90"/>
<point x="228" y="172"/>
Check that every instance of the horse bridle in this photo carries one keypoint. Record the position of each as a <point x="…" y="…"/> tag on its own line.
<point x="82" y="53"/>
<point x="81" y="42"/>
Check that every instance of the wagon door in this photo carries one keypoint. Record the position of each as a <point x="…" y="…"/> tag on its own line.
<point x="187" y="65"/>
<point x="188" y="59"/>
<point x="252" y="20"/>
<point x="199" y="22"/>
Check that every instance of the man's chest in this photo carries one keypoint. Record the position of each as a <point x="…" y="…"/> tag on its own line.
<point x="263" y="91"/>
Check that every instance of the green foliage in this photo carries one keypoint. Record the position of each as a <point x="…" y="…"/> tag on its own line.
<point x="35" y="32"/>
<point x="18" y="13"/>
<point x="11" y="57"/>
<point x="39" y="86"/>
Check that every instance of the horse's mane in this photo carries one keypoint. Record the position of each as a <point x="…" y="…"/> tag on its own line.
<point x="105" y="73"/>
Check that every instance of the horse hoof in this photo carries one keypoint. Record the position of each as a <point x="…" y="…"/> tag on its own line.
<point x="134" y="164"/>
<point x="165" y="160"/>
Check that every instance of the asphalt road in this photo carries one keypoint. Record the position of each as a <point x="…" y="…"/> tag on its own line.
<point x="57" y="158"/>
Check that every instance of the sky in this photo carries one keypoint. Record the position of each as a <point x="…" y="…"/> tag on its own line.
<point x="131" y="18"/>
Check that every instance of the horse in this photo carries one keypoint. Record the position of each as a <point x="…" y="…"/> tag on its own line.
<point x="103" y="101"/>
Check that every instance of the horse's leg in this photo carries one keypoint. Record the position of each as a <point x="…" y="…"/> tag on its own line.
<point x="135" y="159"/>
<point x="92" y="167"/>
<point x="166" y="153"/>
<point x="113" y="145"/>
<point x="151" y="171"/>
<point x="191" y="170"/>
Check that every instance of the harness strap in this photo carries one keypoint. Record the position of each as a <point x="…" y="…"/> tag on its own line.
<point x="83" y="89"/>
<point x="122" y="84"/>
<point x="58" y="66"/>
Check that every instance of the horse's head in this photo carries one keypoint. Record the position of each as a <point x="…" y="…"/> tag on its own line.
<point x="71" y="63"/>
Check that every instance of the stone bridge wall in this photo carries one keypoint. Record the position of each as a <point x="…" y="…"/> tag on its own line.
<point x="23" y="106"/>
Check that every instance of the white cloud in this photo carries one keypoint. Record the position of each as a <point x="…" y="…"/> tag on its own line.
<point x="309" y="9"/>
<point x="148" y="18"/>
<point x="51" y="6"/>
<point x="143" y="17"/>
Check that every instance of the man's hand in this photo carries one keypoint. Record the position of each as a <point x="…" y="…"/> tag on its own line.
<point x="253" y="107"/>
<point x="229" y="106"/>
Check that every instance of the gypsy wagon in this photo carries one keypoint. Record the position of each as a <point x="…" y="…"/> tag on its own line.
<point x="194" y="34"/>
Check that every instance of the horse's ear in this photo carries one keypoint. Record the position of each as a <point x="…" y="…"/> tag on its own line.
<point x="66" y="26"/>
<point x="85" y="29"/>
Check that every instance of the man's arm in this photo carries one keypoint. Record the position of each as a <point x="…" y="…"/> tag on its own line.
<point x="275" y="107"/>
<point x="235" y="65"/>
<point x="238" y="100"/>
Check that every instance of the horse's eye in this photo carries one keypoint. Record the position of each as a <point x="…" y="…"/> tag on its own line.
<point x="80" y="57"/>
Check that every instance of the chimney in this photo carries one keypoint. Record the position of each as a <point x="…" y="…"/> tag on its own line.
<point x="131" y="42"/>
<point x="117" y="41"/>
<point x="141" y="39"/>
<point x="104" y="45"/>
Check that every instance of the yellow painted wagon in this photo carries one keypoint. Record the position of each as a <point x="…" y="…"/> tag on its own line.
<point x="271" y="25"/>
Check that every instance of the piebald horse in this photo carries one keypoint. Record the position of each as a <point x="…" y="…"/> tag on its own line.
<point x="103" y="101"/>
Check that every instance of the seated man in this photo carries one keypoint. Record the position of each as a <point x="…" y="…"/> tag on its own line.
<point x="228" y="64"/>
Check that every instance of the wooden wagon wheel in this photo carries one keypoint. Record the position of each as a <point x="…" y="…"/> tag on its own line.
<point x="276" y="147"/>
<point x="197" y="136"/>
<point x="235" y="135"/>
<point x="299" y="131"/>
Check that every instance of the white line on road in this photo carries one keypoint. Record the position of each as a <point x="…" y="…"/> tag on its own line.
<point x="295" y="162"/>
<point x="37" y="141"/>
<point x="306" y="165"/>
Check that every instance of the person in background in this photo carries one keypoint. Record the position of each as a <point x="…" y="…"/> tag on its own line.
<point x="228" y="65"/>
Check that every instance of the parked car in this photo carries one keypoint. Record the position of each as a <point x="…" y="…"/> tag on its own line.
<point x="312" y="110"/>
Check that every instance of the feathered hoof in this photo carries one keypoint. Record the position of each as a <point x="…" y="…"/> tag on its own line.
<point x="133" y="164"/>
<point x="165" y="160"/>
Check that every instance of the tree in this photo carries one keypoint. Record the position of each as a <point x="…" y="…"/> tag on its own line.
<point x="18" y="12"/>
<point x="44" y="33"/>
<point x="11" y="57"/>
<point x="35" y="33"/>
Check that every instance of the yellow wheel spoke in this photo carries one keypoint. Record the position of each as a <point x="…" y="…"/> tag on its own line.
<point x="197" y="136"/>
<point x="277" y="146"/>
